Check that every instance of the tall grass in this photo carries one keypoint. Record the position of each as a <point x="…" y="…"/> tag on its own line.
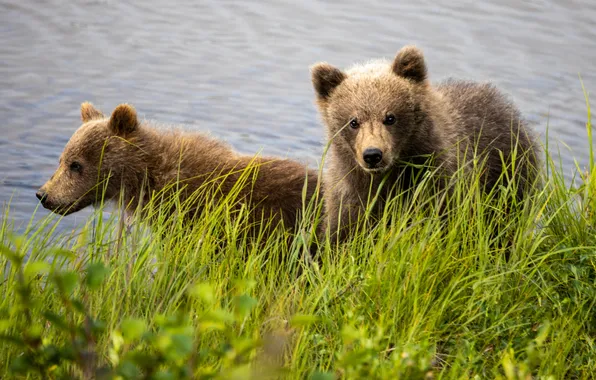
<point x="414" y="296"/>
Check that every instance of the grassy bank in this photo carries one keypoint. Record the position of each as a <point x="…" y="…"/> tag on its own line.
<point x="411" y="298"/>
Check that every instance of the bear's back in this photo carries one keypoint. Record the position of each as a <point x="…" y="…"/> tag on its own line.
<point x="481" y="107"/>
<point x="489" y="120"/>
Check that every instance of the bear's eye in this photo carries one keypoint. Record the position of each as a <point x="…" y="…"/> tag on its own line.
<point x="76" y="167"/>
<point x="354" y="123"/>
<point x="389" y="120"/>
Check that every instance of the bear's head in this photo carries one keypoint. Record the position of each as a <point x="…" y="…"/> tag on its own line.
<point x="94" y="162"/>
<point x="373" y="112"/>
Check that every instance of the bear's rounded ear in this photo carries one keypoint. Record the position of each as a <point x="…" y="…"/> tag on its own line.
<point x="123" y="120"/>
<point x="325" y="78"/>
<point x="409" y="63"/>
<point x="89" y="112"/>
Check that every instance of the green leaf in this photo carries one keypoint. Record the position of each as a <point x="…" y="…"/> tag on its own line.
<point x="68" y="352"/>
<point x="317" y="375"/>
<point x="211" y="325"/>
<point x="542" y="334"/>
<point x="350" y="334"/>
<point x="163" y="343"/>
<point x="244" y="304"/>
<point x="132" y="329"/>
<point x="56" y="320"/>
<point x="128" y="370"/>
<point x="244" y="345"/>
<point x="12" y="339"/>
<point x="66" y="282"/>
<point x="182" y="344"/>
<point x="34" y="268"/>
<point x="237" y="372"/>
<point x="79" y="306"/>
<point x="302" y="320"/>
<point x="34" y="332"/>
<point x="98" y="326"/>
<point x="164" y="375"/>
<point x="218" y="315"/>
<point x="204" y="292"/>
<point x="11" y="255"/>
<point x="22" y="365"/>
<point x="244" y="285"/>
<point x="18" y="241"/>
<point x="509" y="365"/>
<point x="355" y="358"/>
<point x="143" y="359"/>
<point x="5" y="324"/>
<point x="96" y="273"/>
<point x="117" y="342"/>
<point x="170" y="321"/>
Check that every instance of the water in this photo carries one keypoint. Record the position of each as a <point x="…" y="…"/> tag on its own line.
<point x="240" y="69"/>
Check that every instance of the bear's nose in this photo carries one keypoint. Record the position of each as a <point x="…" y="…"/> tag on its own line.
<point x="42" y="196"/>
<point x="372" y="156"/>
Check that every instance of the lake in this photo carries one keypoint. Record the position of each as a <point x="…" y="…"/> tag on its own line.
<point x="240" y="69"/>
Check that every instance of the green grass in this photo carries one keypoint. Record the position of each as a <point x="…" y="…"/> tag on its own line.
<point x="411" y="298"/>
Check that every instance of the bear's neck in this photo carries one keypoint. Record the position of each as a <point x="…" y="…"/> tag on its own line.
<point x="172" y="160"/>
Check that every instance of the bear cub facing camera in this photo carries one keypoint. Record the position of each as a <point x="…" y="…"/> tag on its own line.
<point x="383" y="116"/>
<point x="107" y="154"/>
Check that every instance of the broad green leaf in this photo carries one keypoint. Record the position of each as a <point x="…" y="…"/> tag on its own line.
<point x="34" y="332"/>
<point x="211" y="325"/>
<point x="67" y="282"/>
<point x="509" y="365"/>
<point x="302" y="320"/>
<point x="132" y="329"/>
<point x="5" y="324"/>
<point x="182" y="345"/>
<point x="18" y="341"/>
<point x="79" y="306"/>
<point x="219" y="315"/>
<point x="36" y="267"/>
<point x="317" y="375"/>
<point x="542" y="334"/>
<point x="244" y="285"/>
<point x="117" y="343"/>
<point x="237" y="372"/>
<point x="128" y="370"/>
<point x="56" y="320"/>
<point x="21" y="364"/>
<point x="244" y="304"/>
<point x="204" y="292"/>
<point x="96" y="273"/>
<point x="164" y="375"/>
<point x="350" y="334"/>
<point x="10" y="254"/>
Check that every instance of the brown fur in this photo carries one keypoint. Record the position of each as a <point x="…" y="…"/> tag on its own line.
<point x="397" y="111"/>
<point x="142" y="160"/>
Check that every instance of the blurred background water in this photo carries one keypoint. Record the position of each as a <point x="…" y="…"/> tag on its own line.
<point x="240" y="69"/>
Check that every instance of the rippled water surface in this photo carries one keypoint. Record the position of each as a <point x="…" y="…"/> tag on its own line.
<point x="240" y="69"/>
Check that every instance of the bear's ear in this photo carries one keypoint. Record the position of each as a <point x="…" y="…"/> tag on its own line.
<point x="123" y="120"/>
<point x="325" y="78"/>
<point x="409" y="63"/>
<point x="89" y="112"/>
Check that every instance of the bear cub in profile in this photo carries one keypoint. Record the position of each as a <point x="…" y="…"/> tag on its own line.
<point x="383" y="116"/>
<point x="121" y="153"/>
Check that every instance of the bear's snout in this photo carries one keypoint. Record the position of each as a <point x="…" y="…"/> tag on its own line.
<point x="42" y="196"/>
<point x="372" y="156"/>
